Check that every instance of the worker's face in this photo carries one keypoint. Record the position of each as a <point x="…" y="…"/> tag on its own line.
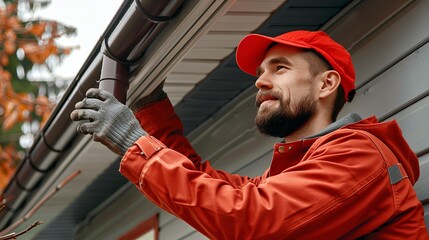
<point x="286" y="98"/>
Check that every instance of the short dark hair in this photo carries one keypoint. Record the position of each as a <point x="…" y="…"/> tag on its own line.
<point x="319" y="64"/>
<point x="338" y="103"/>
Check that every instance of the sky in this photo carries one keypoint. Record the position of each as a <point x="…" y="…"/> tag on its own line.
<point x="90" y="17"/>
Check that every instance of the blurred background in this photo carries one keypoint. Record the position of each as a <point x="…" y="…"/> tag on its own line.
<point x="43" y="45"/>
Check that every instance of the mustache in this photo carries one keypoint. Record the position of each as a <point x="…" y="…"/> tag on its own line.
<point x="264" y="95"/>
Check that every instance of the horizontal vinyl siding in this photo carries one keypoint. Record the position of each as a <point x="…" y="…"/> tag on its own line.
<point x="398" y="86"/>
<point x="422" y="185"/>
<point x="118" y="217"/>
<point x="391" y="42"/>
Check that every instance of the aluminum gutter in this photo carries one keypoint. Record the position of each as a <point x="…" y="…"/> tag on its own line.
<point x="127" y="44"/>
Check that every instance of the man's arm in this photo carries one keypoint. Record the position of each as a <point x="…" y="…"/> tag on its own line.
<point x="114" y="125"/>
<point x="158" y="119"/>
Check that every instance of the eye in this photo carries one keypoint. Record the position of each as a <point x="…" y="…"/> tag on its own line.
<point x="280" y="67"/>
<point x="259" y="72"/>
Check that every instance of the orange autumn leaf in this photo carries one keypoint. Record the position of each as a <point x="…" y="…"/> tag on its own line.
<point x="11" y="8"/>
<point x="5" y="167"/>
<point x="9" y="47"/>
<point x="39" y="54"/>
<point x="4" y="60"/>
<point x="9" y="108"/>
<point x="9" y="155"/>
<point x="10" y="42"/>
<point x="43" y="108"/>
<point x="10" y="121"/>
<point x="12" y="154"/>
<point x="5" y="176"/>
<point x="8" y="158"/>
<point x="5" y="76"/>
<point x="45" y="116"/>
<point x="24" y="108"/>
<point x="30" y="47"/>
<point x="17" y="110"/>
<point x="43" y="100"/>
<point x="13" y="23"/>
<point x="67" y="51"/>
<point x="5" y="84"/>
<point x="11" y="116"/>
<point x="37" y="29"/>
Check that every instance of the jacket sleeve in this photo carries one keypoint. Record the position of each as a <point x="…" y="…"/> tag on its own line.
<point x="330" y="192"/>
<point x="160" y="120"/>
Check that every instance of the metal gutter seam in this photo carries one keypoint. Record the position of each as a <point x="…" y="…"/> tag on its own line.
<point x="126" y="43"/>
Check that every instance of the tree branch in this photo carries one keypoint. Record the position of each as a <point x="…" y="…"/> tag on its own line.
<point x="38" y="205"/>
<point x="15" y="235"/>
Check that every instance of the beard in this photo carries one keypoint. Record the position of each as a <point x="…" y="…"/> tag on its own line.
<point x="283" y="120"/>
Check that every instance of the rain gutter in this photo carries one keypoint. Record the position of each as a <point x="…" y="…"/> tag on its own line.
<point x="123" y="44"/>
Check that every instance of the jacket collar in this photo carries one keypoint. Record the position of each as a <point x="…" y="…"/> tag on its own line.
<point x="344" y="121"/>
<point x="348" y="119"/>
<point x="286" y="155"/>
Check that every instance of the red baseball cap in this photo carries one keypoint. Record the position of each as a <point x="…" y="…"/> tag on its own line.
<point x="252" y="49"/>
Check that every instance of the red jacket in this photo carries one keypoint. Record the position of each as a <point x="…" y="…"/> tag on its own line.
<point x="343" y="185"/>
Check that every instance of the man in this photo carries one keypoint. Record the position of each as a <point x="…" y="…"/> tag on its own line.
<point x="328" y="179"/>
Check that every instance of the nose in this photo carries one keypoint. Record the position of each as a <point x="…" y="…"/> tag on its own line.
<point x="263" y="82"/>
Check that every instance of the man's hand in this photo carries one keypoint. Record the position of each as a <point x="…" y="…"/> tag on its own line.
<point x="110" y="122"/>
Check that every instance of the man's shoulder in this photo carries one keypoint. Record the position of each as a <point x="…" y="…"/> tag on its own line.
<point x="346" y="140"/>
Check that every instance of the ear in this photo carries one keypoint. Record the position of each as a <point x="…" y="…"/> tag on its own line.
<point x="330" y="81"/>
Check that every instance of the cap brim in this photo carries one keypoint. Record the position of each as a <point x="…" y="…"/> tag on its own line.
<point x="252" y="49"/>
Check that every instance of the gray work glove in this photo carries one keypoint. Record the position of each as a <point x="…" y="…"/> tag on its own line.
<point x="110" y="122"/>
